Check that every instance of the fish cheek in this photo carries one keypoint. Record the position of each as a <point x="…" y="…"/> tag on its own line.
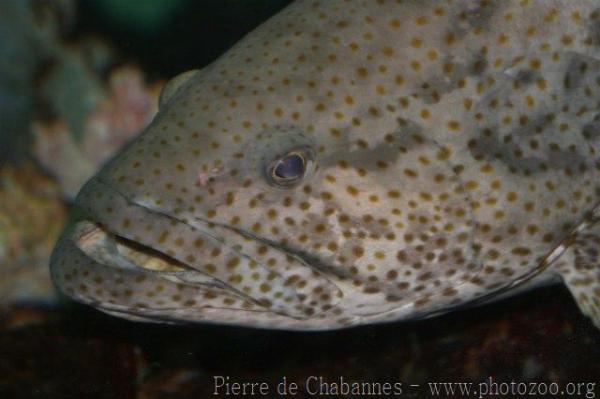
<point x="395" y="220"/>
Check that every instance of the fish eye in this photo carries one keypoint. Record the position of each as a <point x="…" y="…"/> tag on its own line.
<point x="289" y="169"/>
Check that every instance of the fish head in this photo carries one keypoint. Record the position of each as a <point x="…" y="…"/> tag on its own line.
<point x="240" y="220"/>
<point x="265" y="195"/>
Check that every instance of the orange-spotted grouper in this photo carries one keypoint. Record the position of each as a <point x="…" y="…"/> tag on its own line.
<point x="353" y="162"/>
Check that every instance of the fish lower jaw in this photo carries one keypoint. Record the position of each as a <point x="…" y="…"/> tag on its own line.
<point x="139" y="270"/>
<point x="122" y="277"/>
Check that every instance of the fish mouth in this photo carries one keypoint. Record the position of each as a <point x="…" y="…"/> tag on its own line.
<point x="98" y="251"/>
<point x="112" y="250"/>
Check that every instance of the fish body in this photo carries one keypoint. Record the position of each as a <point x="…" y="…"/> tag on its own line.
<point x="353" y="162"/>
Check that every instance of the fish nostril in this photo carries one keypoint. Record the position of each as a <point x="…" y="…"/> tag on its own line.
<point x="205" y="178"/>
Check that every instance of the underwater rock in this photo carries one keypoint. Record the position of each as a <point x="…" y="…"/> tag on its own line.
<point x="37" y="362"/>
<point x="29" y="32"/>
<point x="67" y="87"/>
<point x="536" y="338"/>
<point x="31" y="216"/>
<point x="71" y="150"/>
<point x="69" y="105"/>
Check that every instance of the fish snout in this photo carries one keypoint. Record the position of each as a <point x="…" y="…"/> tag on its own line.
<point x="127" y="256"/>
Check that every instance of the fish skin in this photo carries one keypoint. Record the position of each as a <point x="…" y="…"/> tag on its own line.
<point x="453" y="150"/>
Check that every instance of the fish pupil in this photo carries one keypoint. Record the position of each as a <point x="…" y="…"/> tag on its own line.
<point x="290" y="167"/>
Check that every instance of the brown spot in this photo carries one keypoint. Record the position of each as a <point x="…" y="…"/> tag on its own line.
<point x="521" y="251"/>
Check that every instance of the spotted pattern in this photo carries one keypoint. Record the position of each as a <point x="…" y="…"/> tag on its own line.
<point x="451" y="148"/>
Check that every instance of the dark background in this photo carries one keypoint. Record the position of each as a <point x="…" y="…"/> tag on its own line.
<point x="194" y="35"/>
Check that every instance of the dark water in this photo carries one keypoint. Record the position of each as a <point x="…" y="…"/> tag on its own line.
<point x="195" y="35"/>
